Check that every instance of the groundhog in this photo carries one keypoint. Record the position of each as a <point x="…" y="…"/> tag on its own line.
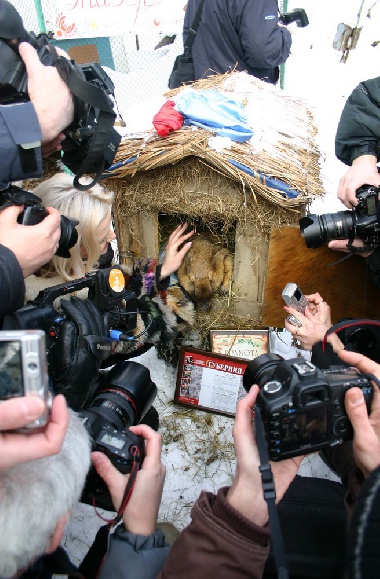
<point x="206" y="268"/>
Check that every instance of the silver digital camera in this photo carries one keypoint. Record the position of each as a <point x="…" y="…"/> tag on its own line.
<point x="23" y="369"/>
<point x="294" y="298"/>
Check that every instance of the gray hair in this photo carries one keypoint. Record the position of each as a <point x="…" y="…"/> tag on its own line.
<point x="35" y="495"/>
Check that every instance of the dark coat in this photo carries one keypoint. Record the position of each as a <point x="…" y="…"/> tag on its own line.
<point x="244" y="33"/>
<point x="358" y="130"/>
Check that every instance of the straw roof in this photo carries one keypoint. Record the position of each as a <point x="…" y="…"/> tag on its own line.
<point x="283" y="148"/>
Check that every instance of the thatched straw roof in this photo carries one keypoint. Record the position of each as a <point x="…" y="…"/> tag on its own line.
<point x="283" y="148"/>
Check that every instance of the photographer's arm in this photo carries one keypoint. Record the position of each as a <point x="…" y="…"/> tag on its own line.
<point x="357" y="139"/>
<point x="366" y="442"/>
<point x="229" y="530"/>
<point x="137" y="540"/>
<point x="33" y="245"/>
<point x="16" y="413"/>
<point x="51" y="97"/>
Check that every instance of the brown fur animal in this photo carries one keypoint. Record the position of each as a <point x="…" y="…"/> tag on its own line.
<point x="206" y="268"/>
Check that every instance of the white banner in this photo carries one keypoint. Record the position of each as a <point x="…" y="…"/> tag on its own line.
<point x="91" y="18"/>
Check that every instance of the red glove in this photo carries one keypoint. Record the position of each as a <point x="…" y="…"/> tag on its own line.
<point x="167" y="119"/>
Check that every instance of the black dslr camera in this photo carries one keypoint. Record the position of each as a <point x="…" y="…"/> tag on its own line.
<point x="297" y="15"/>
<point x="361" y="222"/>
<point x="122" y="400"/>
<point x="34" y="213"/>
<point x="303" y="406"/>
<point x="106" y="288"/>
<point x="91" y="141"/>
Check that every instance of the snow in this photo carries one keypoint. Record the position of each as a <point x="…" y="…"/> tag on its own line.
<point x="315" y="73"/>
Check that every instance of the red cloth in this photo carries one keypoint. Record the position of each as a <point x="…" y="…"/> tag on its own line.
<point x="167" y="119"/>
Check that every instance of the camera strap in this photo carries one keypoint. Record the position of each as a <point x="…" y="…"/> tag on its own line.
<point x="97" y="553"/>
<point x="97" y="98"/>
<point x="269" y="492"/>
<point x="347" y="324"/>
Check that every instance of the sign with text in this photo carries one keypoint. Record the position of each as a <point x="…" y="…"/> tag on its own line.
<point x="209" y="381"/>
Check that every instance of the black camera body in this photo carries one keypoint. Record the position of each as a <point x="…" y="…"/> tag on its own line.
<point x="360" y="222"/>
<point x="106" y="288"/>
<point x="91" y="141"/>
<point x="302" y="406"/>
<point x="122" y="400"/>
<point x="298" y="15"/>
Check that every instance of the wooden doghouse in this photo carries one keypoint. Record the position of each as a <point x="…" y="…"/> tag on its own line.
<point x="183" y="176"/>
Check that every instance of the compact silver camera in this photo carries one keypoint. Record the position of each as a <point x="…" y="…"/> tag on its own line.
<point x="294" y="298"/>
<point x="23" y="369"/>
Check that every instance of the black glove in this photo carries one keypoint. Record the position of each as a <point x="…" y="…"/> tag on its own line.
<point x="81" y="346"/>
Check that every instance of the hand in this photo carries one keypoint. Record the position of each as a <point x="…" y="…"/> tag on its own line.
<point x="315" y="323"/>
<point x="342" y="245"/>
<point x="53" y="146"/>
<point x="17" y="447"/>
<point x="366" y="442"/>
<point x="246" y="494"/>
<point x="33" y="245"/>
<point x="362" y="172"/>
<point x="174" y="256"/>
<point x="81" y="345"/>
<point x="140" y="514"/>
<point x="50" y="95"/>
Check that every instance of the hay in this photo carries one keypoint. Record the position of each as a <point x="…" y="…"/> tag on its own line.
<point x="283" y="148"/>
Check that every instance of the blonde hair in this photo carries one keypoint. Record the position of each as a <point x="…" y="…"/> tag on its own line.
<point x="89" y="208"/>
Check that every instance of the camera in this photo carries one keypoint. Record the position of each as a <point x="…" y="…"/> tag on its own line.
<point x="91" y="141"/>
<point x="122" y="400"/>
<point x="294" y="298"/>
<point x="361" y="222"/>
<point x="23" y="370"/>
<point x="303" y="406"/>
<point x="297" y="15"/>
<point x="34" y="213"/>
<point x="106" y="288"/>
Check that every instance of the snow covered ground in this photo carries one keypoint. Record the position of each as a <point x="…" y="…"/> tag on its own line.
<point x="314" y="72"/>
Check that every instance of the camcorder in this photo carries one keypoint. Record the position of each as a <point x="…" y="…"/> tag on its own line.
<point x="106" y="289"/>
<point x="23" y="370"/>
<point x="360" y="222"/>
<point x="298" y="15"/>
<point x="91" y="141"/>
<point x="34" y="213"/>
<point x="302" y="406"/>
<point x="122" y="400"/>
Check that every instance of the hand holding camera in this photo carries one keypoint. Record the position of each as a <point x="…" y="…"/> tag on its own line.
<point x="32" y="246"/>
<point x="16" y="413"/>
<point x="245" y="494"/>
<point x="140" y="515"/>
<point x="366" y="426"/>
<point x="363" y="170"/>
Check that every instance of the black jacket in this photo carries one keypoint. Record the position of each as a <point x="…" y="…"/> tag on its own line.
<point x="11" y="283"/>
<point x="358" y="130"/>
<point x="242" y="32"/>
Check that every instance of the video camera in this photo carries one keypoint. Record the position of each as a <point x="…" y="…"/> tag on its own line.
<point x="91" y="141"/>
<point x="297" y="15"/>
<point x="361" y="222"/>
<point x="106" y="289"/>
<point x="34" y="213"/>
<point x="302" y="406"/>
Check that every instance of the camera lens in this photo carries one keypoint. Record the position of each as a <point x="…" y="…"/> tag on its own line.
<point x="260" y="370"/>
<point x="320" y="229"/>
<point x="123" y="398"/>
<point x="69" y="236"/>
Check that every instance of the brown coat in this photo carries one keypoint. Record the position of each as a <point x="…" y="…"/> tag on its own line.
<point x="219" y="543"/>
